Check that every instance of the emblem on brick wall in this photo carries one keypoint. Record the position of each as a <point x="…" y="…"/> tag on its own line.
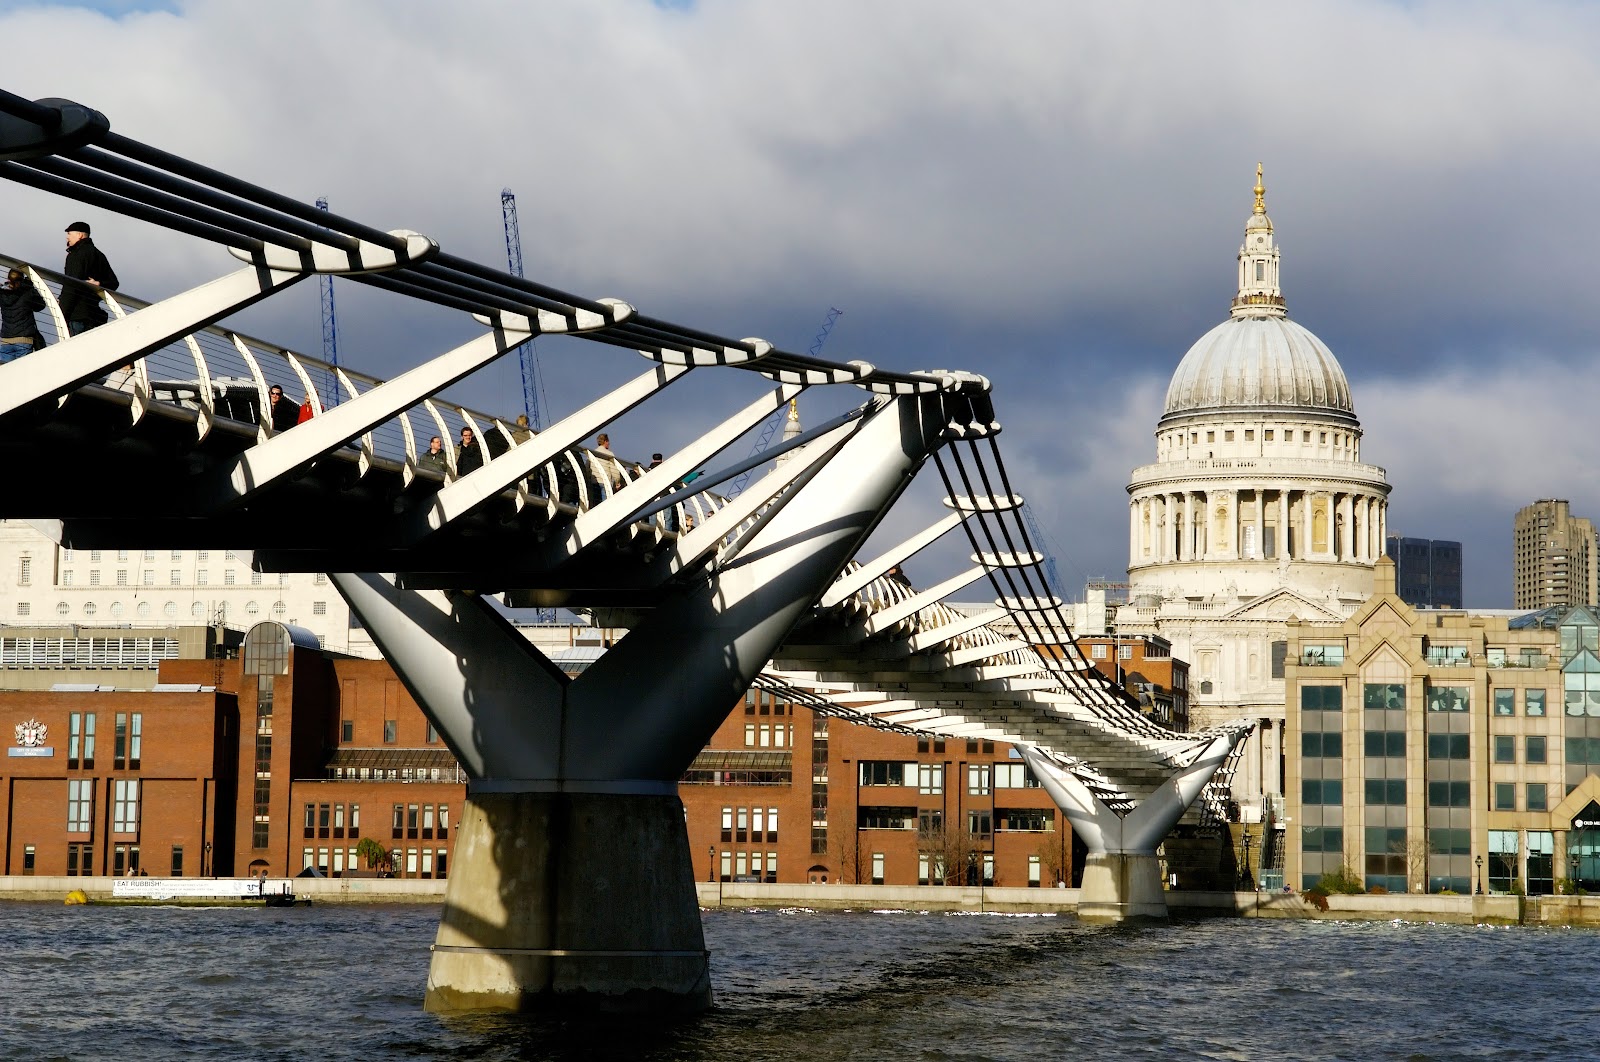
<point x="31" y="735"/>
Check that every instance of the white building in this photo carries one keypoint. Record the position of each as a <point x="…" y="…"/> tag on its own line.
<point x="1257" y="509"/>
<point x="42" y="584"/>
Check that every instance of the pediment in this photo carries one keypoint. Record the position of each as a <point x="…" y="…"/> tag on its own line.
<point x="1281" y="605"/>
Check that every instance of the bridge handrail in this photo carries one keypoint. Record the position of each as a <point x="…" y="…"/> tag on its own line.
<point x="216" y="362"/>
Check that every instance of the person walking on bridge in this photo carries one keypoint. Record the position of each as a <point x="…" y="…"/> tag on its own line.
<point x="88" y="273"/>
<point x="18" y="303"/>
<point x="284" y="414"/>
<point x="468" y="457"/>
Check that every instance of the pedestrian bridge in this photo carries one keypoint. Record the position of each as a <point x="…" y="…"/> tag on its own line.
<point x="148" y="432"/>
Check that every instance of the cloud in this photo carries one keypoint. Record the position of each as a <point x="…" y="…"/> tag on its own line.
<point x="1050" y="194"/>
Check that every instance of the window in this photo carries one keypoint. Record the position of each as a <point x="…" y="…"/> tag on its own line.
<point x="1097" y="652"/>
<point x="1537" y="800"/>
<point x="1321" y="655"/>
<point x="1533" y="700"/>
<point x="1321" y="698"/>
<point x="80" y="859"/>
<point x="148" y="577"/>
<point x="25" y="572"/>
<point x="177" y="860"/>
<point x="27" y="859"/>
<point x="1449" y="698"/>
<point x="1227" y="436"/>
<point x="1322" y="791"/>
<point x="749" y="735"/>
<point x="94" y="577"/>
<point x="1505" y="796"/>
<point x="229" y="578"/>
<point x="980" y="824"/>
<point x="1014" y="776"/>
<point x="886" y="772"/>
<point x="432" y="736"/>
<point x="930" y="778"/>
<point x="1390" y="792"/>
<point x="390" y="731"/>
<point x="319" y="608"/>
<point x="978" y="779"/>
<point x="1505" y="702"/>
<point x="1124" y="652"/>
<point x="124" y="859"/>
<point x="347" y="730"/>
<point x="119" y="747"/>
<point x="255" y="578"/>
<point x="125" y="805"/>
<point x="202" y="578"/>
<point x="66" y="577"/>
<point x="1505" y="748"/>
<point x="80" y="805"/>
<point x="1027" y="820"/>
<point x="135" y="740"/>
<point x="1535" y="750"/>
<point x="877" y="868"/>
<point x="1249" y="435"/>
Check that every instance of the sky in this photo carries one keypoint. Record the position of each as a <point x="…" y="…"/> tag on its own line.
<point x="1051" y="194"/>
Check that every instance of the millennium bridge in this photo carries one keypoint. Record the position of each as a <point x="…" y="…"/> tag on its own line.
<point x="152" y="431"/>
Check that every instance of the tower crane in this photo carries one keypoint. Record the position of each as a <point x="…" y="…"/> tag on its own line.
<point x="532" y="385"/>
<point x="770" y="427"/>
<point x="330" y="327"/>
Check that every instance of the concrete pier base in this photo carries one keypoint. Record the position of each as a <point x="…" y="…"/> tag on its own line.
<point x="571" y="900"/>
<point x="1122" y="887"/>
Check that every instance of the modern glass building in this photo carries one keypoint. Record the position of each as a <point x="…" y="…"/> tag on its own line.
<point x="1445" y="751"/>
<point x="1427" y="571"/>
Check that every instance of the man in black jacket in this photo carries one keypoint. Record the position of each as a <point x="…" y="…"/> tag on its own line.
<point x="18" y="303"/>
<point x="88" y="273"/>
<point x="284" y="413"/>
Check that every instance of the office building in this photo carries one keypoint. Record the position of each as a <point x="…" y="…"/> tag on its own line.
<point x="1427" y="571"/>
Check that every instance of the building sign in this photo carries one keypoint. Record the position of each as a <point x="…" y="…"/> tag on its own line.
<point x="1588" y="818"/>
<point x="30" y="740"/>
<point x="189" y="888"/>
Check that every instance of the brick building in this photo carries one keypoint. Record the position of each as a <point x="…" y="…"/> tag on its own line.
<point x="285" y="757"/>
<point x="1144" y="665"/>
<point x="782" y="793"/>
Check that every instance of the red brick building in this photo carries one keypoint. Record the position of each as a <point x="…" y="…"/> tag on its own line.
<point x="287" y="757"/>
<point x="1145" y="666"/>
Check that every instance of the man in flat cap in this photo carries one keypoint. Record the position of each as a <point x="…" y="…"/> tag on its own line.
<point x="88" y="273"/>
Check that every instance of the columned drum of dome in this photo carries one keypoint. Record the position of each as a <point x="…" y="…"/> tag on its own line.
<point x="1258" y="507"/>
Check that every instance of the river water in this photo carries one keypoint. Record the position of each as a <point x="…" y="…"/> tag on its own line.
<point x="342" y="982"/>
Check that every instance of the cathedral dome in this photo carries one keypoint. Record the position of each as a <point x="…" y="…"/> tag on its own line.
<point x="1264" y="362"/>
<point x="1258" y="359"/>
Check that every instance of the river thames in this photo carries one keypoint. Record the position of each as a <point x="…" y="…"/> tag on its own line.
<point x="342" y="982"/>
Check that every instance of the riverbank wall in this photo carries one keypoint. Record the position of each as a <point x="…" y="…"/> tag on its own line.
<point x="1469" y="910"/>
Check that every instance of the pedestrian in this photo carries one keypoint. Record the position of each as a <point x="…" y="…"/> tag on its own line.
<point x="18" y="303"/>
<point x="434" y="459"/>
<point x="655" y="459"/>
<point x="307" y="411"/>
<point x="468" y="457"/>
<point x="88" y="274"/>
<point x="282" y="411"/>
<point x="523" y="431"/>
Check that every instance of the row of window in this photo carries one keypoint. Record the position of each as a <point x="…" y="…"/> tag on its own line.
<point x="1392" y="695"/>
<point x="427" y="821"/>
<point x="145" y="609"/>
<point x="127" y="741"/>
<point x="980" y="822"/>
<point x="748" y="866"/>
<point x="332" y="820"/>
<point x="147" y="577"/>
<point x="408" y="863"/>
<point x="124" y="859"/>
<point x="769" y="735"/>
<point x="1391" y="792"/>
<point x="929" y="778"/>
<point x="750" y="824"/>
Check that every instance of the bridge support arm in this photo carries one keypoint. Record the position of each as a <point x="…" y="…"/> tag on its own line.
<point x="1122" y="874"/>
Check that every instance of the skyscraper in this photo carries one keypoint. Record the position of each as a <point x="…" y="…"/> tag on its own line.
<point x="1427" y="571"/>
<point x="1553" y="560"/>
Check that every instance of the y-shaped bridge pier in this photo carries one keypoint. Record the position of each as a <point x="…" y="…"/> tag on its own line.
<point x="148" y="432"/>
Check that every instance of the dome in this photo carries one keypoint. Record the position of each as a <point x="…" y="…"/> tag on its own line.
<point x="1259" y="362"/>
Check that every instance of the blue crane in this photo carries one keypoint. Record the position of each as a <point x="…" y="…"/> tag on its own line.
<point x="1036" y="533"/>
<point x="532" y="385"/>
<point x="770" y="428"/>
<point x="330" y="328"/>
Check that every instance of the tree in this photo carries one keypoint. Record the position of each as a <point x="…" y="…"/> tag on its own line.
<point x="950" y="852"/>
<point x="377" y="857"/>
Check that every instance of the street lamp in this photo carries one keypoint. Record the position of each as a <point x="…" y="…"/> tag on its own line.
<point x="711" y="862"/>
<point x="1480" y="875"/>
<point x="1244" y="871"/>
